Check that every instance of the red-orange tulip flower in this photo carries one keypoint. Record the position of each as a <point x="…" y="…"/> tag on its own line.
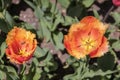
<point x="87" y="38"/>
<point x="21" y="45"/>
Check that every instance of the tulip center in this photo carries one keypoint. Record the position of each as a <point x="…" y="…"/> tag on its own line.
<point x="23" y="52"/>
<point x="88" y="44"/>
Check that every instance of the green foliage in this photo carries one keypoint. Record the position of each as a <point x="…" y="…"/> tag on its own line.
<point x="3" y="24"/>
<point x="49" y="21"/>
<point x="116" y="16"/>
<point x="87" y="3"/>
<point x="8" y="72"/>
<point x="109" y="59"/>
<point x="58" y="40"/>
<point x="96" y="14"/>
<point x="116" y="45"/>
<point x="54" y="19"/>
<point x="9" y="19"/>
<point x="4" y="4"/>
<point x="76" y="11"/>
<point x="64" y="3"/>
<point x="2" y="48"/>
<point x="39" y="52"/>
<point x="83" y="71"/>
<point x="6" y="21"/>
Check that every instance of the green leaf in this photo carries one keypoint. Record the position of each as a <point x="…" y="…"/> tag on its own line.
<point x="39" y="32"/>
<point x="75" y="76"/>
<point x="28" y="26"/>
<point x="58" y="40"/>
<point x="37" y="74"/>
<point x="58" y="20"/>
<point x="39" y="13"/>
<point x="49" y="63"/>
<point x="68" y="20"/>
<point x="79" y="68"/>
<point x="49" y="23"/>
<point x="71" y="60"/>
<point x="9" y="19"/>
<point x="3" y="47"/>
<point x="11" y="72"/>
<point x="39" y="52"/>
<point x="31" y="73"/>
<point x="2" y="75"/>
<point x="46" y="32"/>
<point x="1" y="15"/>
<point x="54" y="9"/>
<point x="48" y="58"/>
<point x="35" y="61"/>
<point x="7" y="22"/>
<point x="106" y="62"/>
<point x="96" y="14"/>
<point x="116" y="16"/>
<point x="46" y="69"/>
<point x="23" y="67"/>
<point x="45" y="4"/>
<point x="76" y="11"/>
<point x="64" y="3"/>
<point x="116" y="45"/>
<point x="4" y="26"/>
<point x="87" y="3"/>
<point x="4" y="4"/>
<point x="91" y="73"/>
<point x="30" y="4"/>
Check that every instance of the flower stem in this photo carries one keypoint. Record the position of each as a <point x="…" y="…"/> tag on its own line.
<point x="107" y="14"/>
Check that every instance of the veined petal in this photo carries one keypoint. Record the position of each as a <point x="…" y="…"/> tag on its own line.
<point x="92" y="22"/>
<point x="103" y="48"/>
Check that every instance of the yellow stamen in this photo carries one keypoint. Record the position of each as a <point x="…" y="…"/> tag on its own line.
<point x="24" y="53"/>
<point x="88" y="44"/>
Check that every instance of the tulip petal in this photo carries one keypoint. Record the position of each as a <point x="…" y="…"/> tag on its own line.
<point x="21" y="45"/>
<point x="86" y="38"/>
<point x="103" y="48"/>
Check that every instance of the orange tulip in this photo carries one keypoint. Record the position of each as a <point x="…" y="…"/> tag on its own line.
<point x="87" y="38"/>
<point x="21" y="45"/>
